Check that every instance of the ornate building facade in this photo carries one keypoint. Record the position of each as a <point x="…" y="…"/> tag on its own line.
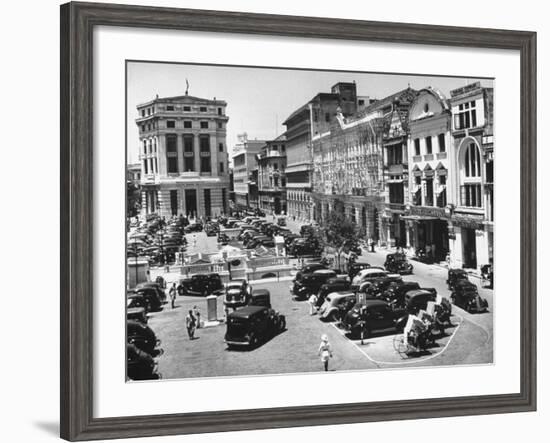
<point x="271" y="176"/>
<point x="183" y="156"/>
<point x="245" y="170"/>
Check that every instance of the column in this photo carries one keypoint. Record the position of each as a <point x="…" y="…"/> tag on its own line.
<point x="162" y="154"/>
<point x="214" y="155"/>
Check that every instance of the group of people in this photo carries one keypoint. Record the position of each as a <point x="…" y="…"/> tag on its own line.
<point x="193" y="317"/>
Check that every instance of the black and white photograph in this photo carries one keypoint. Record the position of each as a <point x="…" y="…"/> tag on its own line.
<point x="295" y="221"/>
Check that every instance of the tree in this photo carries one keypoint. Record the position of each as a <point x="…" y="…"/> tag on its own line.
<point x="133" y="199"/>
<point x="340" y="232"/>
<point x="313" y="236"/>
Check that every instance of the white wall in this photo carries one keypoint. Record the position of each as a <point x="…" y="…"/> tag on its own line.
<point x="30" y="78"/>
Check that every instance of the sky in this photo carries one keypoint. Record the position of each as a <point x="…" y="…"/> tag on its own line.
<point x="258" y="99"/>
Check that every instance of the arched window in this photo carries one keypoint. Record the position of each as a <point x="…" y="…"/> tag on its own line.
<point x="470" y="177"/>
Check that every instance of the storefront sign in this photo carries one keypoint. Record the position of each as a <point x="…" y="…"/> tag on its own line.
<point x="468" y="221"/>
<point x="424" y="211"/>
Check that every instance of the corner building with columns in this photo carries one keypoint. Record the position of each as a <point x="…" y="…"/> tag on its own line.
<point x="183" y="156"/>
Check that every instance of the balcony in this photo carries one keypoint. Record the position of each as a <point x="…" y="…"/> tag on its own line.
<point x="428" y="157"/>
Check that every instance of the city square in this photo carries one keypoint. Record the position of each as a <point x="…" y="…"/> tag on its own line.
<point x="359" y="237"/>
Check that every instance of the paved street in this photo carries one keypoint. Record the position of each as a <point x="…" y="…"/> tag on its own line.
<point x="468" y="341"/>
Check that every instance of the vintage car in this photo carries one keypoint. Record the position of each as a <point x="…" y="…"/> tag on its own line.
<point x="150" y="296"/>
<point x="417" y="299"/>
<point x="237" y="293"/>
<point x="465" y="295"/>
<point x="252" y="238"/>
<point x="487" y="275"/>
<point x="311" y="283"/>
<point x="140" y="365"/>
<point x="355" y="268"/>
<point x="193" y="227"/>
<point x="262" y="240"/>
<point x="398" y="264"/>
<point x="158" y="285"/>
<point x="136" y="313"/>
<point x="337" y="305"/>
<point x="289" y="238"/>
<point x="247" y="234"/>
<point x="373" y="315"/>
<point x="260" y="297"/>
<point x="379" y="284"/>
<point x="141" y="335"/>
<point x="455" y="275"/>
<point x="200" y="285"/>
<point x="367" y="275"/>
<point x="301" y="246"/>
<point x="223" y="239"/>
<point x="309" y="269"/>
<point x="252" y="325"/>
<point x="395" y="292"/>
<point x="332" y="285"/>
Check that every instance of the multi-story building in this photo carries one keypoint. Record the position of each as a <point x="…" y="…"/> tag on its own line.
<point x="312" y="119"/>
<point x="430" y="163"/>
<point x="244" y="164"/>
<point x="471" y="229"/>
<point x="183" y="156"/>
<point x="271" y="176"/>
<point x="348" y="162"/>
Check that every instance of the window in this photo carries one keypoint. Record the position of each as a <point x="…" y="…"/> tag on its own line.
<point x="187" y="109"/>
<point x="145" y="167"/>
<point x="170" y="124"/>
<point x="220" y="111"/>
<point x="283" y="182"/>
<point x="172" y="153"/>
<point x="276" y="166"/>
<point x="187" y="124"/>
<point x="361" y="102"/>
<point x="327" y="117"/>
<point x="204" y="125"/>
<point x="145" y="146"/>
<point x="276" y="182"/>
<point x="220" y="125"/>
<point x="416" y="146"/>
<point x="188" y="153"/>
<point x="220" y="147"/>
<point x="204" y="144"/>
<point x="428" y="145"/>
<point x="283" y="149"/>
<point x="470" y="195"/>
<point x="466" y="116"/>
<point x="143" y="112"/>
<point x="472" y="161"/>
<point x="429" y="192"/>
<point x="441" y="142"/>
<point x="203" y="109"/>
<point x="169" y="108"/>
<point x="221" y="167"/>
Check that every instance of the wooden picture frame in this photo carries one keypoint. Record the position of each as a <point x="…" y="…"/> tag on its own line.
<point x="77" y="23"/>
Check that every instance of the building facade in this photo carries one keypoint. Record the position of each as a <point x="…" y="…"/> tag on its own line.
<point x="183" y="156"/>
<point x="472" y="221"/>
<point x="308" y="121"/>
<point x="271" y="176"/>
<point x="245" y="169"/>
<point x="430" y="162"/>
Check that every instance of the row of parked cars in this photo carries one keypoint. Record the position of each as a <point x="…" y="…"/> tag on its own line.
<point x="371" y="299"/>
<point x="142" y="344"/>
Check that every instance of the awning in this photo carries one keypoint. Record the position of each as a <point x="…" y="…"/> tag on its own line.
<point x="418" y="217"/>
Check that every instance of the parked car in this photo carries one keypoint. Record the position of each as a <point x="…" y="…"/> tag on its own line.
<point x="158" y="285"/>
<point x="142" y="336"/>
<point x="337" y="305"/>
<point x="252" y="325"/>
<point x="395" y="292"/>
<point x="487" y="275"/>
<point x="380" y="284"/>
<point x="211" y="229"/>
<point x="260" y="297"/>
<point x="455" y="275"/>
<point x="281" y="221"/>
<point x="367" y="275"/>
<point x="263" y="240"/>
<point x="465" y="295"/>
<point x="223" y="239"/>
<point x="200" y="285"/>
<point x="332" y="285"/>
<point x="237" y="293"/>
<point x="373" y="315"/>
<point x="308" y="269"/>
<point x="311" y="283"/>
<point x="140" y="365"/>
<point x="355" y="268"/>
<point x="301" y="246"/>
<point x="418" y="299"/>
<point x="136" y="313"/>
<point x="398" y="264"/>
<point x="150" y="296"/>
<point x="193" y="227"/>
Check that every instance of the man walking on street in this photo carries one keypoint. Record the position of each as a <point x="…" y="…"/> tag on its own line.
<point x="197" y="315"/>
<point x="190" y="325"/>
<point x="172" y="293"/>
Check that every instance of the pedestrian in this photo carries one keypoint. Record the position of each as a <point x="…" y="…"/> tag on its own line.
<point x="197" y="315"/>
<point x="190" y="324"/>
<point x="325" y="351"/>
<point x="172" y="293"/>
<point x="312" y="300"/>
